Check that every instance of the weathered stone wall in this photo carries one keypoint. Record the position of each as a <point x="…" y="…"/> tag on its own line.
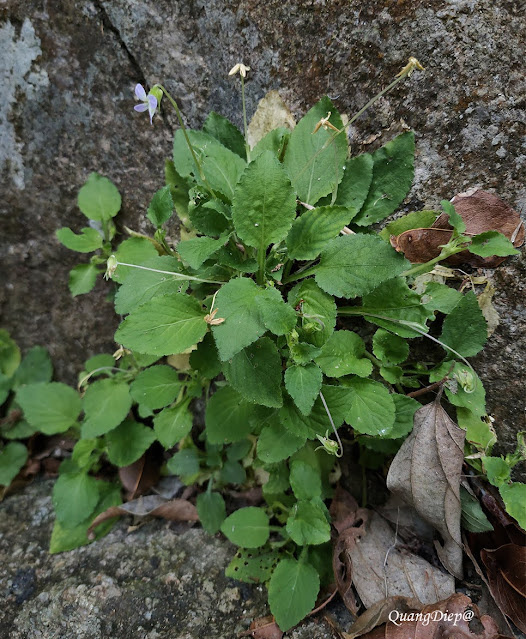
<point x="68" y="68"/>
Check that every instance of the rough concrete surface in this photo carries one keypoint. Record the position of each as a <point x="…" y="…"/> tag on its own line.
<point x="161" y="581"/>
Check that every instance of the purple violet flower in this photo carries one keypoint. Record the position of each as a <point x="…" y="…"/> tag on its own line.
<point x="149" y="102"/>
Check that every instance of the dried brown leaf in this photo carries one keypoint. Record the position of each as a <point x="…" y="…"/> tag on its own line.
<point x="138" y="478"/>
<point x="506" y="569"/>
<point x="379" y="612"/>
<point x="444" y="620"/>
<point x="263" y="628"/>
<point x="382" y="569"/>
<point x="425" y="473"/>
<point x="407" y="521"/>
<point x="481" y="211"/>
<point x="421" y="245"/>
<point x="344" y="510"/>
<point x="153" y="505"/>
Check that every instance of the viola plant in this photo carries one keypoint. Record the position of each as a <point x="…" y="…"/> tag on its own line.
<point x="294" y="320"/>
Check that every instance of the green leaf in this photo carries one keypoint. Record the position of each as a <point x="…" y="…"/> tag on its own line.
<point x="440" y="297"/>
<point x="279" y="317"/>
<point x="255" y="372"/>
<point x="389" y="348"/>
<point x="303" y="384"/>
<point x="128" y="442"/>
<point x="205" y="358"/>
<point x="156" y="386"/>
<point x="277" y="443"/>
<point x="82" y="279"/>
<point x="88" y="240"/>
<point x="9" y="354"/>
<point x="99" y="361"/>
<point x="473" y="517"/>
<point x="354" y="187"/>
<point x="274" y="141"/>
<point x="172" y="424"/>
<point x="514" y="497"/>
<point x="35" y="367"/>
<point x="455" y="219"/>
<point x="247" y="527"/>
<point x="292" y="592"/>
<point x="305" y="480"/>
<point x="12" y="458"/>
<point x="161" y="207"/>
<point x="232" y="472"/>
<point x="75" y="496"/>
<point x="492" y="243"/>
<point x="65" y="538"/>
<point x="135" y="250"/>
<point x="478" y="430"/>
<point x="252" y="566"/>
<point x="406" y="408"/>
<point x="106" y="403"/>
<point x="395" y="299"/>
<point x="5" y="387"/>
<point x="52" y="408"/>
<point x="343" y="354"/>
<point x="211" y="510"/>
<point x="316" y="308"/>
<point x="314" y="164"/>
<point x="303" y="353"/>
<point x="164" y="326"/>
<point x="221" y="166"/>
<point x="313" y="229"/>
<point x="197" y="250"/>
<point x="354" y="265"/>
<point x="178" y="189"/>
<point x="236" y="303"/>
<point x="465" y="329"/>
<point x="99" y="198"/>
<point x="225" y="132"/>
<point x="474" y="400"/>
<point x="497" y="470"/>
<point x="141" y="285"/>
<point x="393" y="172"/>
<point x="307" y="524"/>
<point x="372" y="409"/>
<point x="414" y="220"/>
<point x="227" y="417"/>
<point x="185" y="463"/>
<point x="210" y="217"/>
<point x="264" y="203"/>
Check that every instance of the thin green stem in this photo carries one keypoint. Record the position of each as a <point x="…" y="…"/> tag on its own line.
<point x="181" y="276"/>
<point x="245" y="127"/>
<point x="373" y="359"/>
<point x="187" y="139"/>
<point x="340" y="451"/>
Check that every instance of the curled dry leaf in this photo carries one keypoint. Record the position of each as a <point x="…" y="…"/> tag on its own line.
<point x="407" y="521"/>
<point x="454" y="618"/>
<point x="263" y="628"/>
<point x="138" y="478"/>
<point x="378" y="614"/>
<point x="425" y="473"/>
<point x="506" y="570"/>
<point x="381" y="569"/>
<point x="481" y="211"/>
<point x="349" y="520"/>
<point x="154" y="505"/>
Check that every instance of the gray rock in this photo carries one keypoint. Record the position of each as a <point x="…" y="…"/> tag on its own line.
<point x="159" y="581"/>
